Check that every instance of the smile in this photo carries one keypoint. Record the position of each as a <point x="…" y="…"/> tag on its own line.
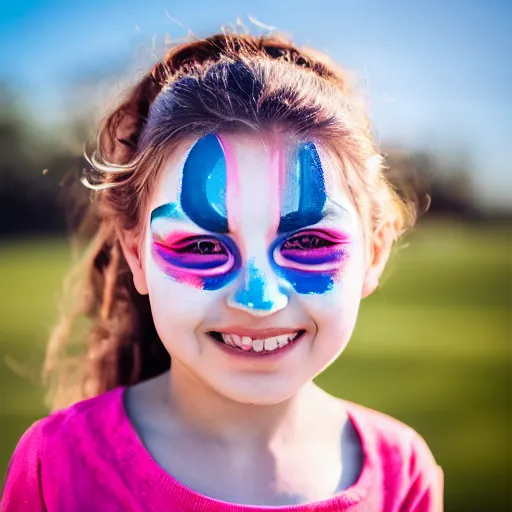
<point x="256" y="344"/>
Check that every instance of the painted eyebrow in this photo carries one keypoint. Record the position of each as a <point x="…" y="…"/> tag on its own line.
<point x="168" y="211"/>
<point x="332" y="211"/>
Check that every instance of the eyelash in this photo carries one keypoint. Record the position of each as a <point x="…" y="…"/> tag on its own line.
<point x="206" y="254"/>
<point x="197" y="246"/>
<point x="315" y="242"/>
<point x="302" y="242"/>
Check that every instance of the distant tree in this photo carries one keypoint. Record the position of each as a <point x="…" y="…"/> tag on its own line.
<point x="32" y="167"/>
<point x="419" y="175"/>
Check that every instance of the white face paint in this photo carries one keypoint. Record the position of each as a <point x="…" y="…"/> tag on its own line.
<point x="249" y="242"/>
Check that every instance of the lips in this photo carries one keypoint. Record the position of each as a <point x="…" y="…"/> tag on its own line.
<point x="263" y="341"/>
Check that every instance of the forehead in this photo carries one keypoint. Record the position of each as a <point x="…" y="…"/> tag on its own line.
<point x="222" y="181"/>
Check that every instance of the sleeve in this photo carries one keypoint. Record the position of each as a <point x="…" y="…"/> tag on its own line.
<point x="425" y="493"/>
<point x="22" y="491"/>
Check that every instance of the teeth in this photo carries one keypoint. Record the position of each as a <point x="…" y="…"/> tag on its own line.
<point x="246" y="343"/>
<point x="237" y="340"/>
<point x="284" y="339"/>
<point x="270" y="343"/>
<point x="228" y="339"/>
<point x="258" y="345"/>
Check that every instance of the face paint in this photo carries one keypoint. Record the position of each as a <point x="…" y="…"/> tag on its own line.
<point x="170" y="211"/>
<point x="203" y="186"/>
<point x="251" y="183"/>
<point x="256" y="294"/>
<point x="310" y="260"/>
<point x="304" y="195"/>
<point x="206" y="262"/>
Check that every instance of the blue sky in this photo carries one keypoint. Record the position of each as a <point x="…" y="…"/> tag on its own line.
<point x="437" y="73"/>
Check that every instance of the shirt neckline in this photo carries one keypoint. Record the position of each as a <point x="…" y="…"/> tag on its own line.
<point x="173" y="490"/>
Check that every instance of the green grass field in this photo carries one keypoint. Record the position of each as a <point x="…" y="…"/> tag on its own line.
<point x="432" y="348"/>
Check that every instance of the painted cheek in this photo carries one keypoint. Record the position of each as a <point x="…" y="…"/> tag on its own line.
<point x="307" y="283"/>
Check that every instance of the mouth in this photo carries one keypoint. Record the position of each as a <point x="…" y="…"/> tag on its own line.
<point x="255" y="345"/>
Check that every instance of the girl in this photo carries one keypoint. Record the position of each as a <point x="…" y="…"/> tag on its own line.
<point x="241" y="214"/>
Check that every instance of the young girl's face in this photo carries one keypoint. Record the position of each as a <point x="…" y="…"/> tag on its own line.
<point x="253" y="261"/>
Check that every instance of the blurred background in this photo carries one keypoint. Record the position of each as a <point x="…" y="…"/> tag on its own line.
<point x="432" y="346"/>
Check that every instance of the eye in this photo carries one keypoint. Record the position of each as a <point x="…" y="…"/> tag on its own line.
<point x="204" y="246"/>
<point x="306" y="242"/>
<point x="312" y="248"/>
<point x="199" y="254"/>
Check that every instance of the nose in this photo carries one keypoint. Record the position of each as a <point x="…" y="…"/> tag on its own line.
<point x="257" y="291"/>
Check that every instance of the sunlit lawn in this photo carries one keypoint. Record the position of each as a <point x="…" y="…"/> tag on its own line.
<point x="432" y="348"/>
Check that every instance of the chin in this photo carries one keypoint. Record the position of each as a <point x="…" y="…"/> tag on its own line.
<point x="259" y="390"/>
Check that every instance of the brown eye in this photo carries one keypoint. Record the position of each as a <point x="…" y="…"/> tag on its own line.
<point x="207" y="247"/>
<point x="306" y="243"/>
<point x="203" y="246"/>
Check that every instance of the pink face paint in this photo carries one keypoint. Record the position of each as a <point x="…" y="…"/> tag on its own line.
<point x="277" y="170"/>
<point x="190" y="258"/>
<point x="232" y="185"/>
<point x="314" y="250"/>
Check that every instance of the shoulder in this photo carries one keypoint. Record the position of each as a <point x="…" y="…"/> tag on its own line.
<point x="51" y="443"/>
<point x="88" y="415"/>
<point x="44" y="442"/>
<point x="392" y="438"/>
<point x="402" y="455"/>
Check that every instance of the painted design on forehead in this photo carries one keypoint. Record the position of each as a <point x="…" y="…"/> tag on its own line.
<point x="303" y="194"/>
<point x="202" y="194"/>
<point x="203" y="185"/>
<point x="203" y="261"/>
<point x="310" y="261"/>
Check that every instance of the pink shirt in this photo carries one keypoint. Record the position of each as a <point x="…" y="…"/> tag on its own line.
<point x="88" y="457"/>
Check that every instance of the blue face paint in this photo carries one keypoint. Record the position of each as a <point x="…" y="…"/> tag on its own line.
<point x="203" y="185"/>
<point x="306" y="281"/>
<point x="169" y="211"/>
<point x="304" y="190"/>
<point x="256" y="293"/>
<point x="303" y="200"/>
<point x="205" y="262"/>
<point x="202" y="200"/>
<point x="309" y="283"/>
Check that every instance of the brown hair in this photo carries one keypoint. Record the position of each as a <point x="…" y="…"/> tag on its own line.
<point x="222" y="83"/>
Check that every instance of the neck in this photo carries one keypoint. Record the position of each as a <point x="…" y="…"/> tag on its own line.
<point x="199" y="408"/>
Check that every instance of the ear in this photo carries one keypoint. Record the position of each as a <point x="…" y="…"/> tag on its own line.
<point x="380" y="249"/>
<point x="131" y="250"/>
